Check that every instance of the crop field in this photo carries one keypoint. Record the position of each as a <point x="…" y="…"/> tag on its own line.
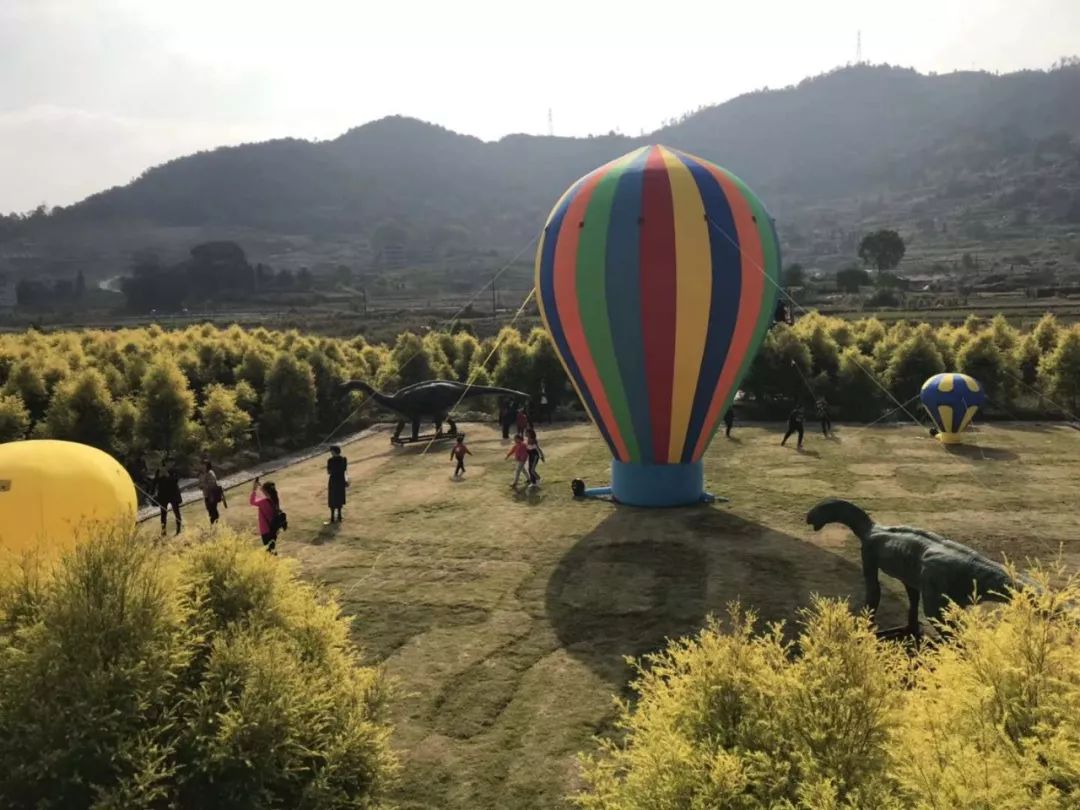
<point x="504" y="616"/>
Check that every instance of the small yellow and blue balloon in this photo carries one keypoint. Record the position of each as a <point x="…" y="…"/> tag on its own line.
<point x="952" y="400"/>
<point x="52" y="492"/>
<point x="657" y="278"/>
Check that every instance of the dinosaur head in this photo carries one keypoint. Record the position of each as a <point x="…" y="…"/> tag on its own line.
<point x="835" y="510"/>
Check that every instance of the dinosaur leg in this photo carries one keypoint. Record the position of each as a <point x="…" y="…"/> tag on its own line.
<point x="415" y="428"/>
<point x="912" y="628"/>
<point x="400" y="427"/>
<point x="452" y="425"/>
<point x="438" y="426"/>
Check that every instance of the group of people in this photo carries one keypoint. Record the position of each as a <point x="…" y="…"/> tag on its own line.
<point x="796" y="424"/>
<point x="525" y="451"/>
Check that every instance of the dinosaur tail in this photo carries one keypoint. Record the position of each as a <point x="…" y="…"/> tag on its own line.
<point x="492" y="390"/>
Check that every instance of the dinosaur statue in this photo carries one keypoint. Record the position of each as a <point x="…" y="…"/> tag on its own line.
<point x="933" y="567"/>
<point x="434" y="399"/>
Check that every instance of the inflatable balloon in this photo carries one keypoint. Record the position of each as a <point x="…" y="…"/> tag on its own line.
<point x="657" y="278"/>
<point x="952" y="400"/>
<point x="49" y="489"/>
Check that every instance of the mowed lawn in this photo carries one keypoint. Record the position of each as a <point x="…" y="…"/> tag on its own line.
<point x="505" y="616"/>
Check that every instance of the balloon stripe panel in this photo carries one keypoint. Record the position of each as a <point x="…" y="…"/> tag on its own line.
<point x="623" y="271"/>
<point x="751" y="264"/>
<point x="723" y="306"/>
<point x="592" y="283"/>
<point x="549" y="310"/>
<point x="693" y="291"/>
<point x="657" y="246"/>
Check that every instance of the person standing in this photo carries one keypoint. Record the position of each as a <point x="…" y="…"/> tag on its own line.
<point x="208" y="483"/>
<point x="506" y="416"/>
<point x="522" y="419"/>
<point x="825" y="416"/>
<point x="337" y="482"/>
<point x="545" y="404"/>
<point x="794" y="425"/>
<point x="536" y="455"/>
<point x="521" y="455"/>
<point x="459" y="451"/>
<point x="729" y="421"/>
<point x="264" y="498"/>
<point x="167" y="495"/>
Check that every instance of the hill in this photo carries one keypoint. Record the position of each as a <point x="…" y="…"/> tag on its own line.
<point x="949" y="159"/>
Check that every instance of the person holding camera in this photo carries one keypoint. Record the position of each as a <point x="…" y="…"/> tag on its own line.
<point x="264" y="497"/>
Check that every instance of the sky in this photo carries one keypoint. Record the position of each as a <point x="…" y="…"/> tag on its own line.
<point x="93" y="92"/>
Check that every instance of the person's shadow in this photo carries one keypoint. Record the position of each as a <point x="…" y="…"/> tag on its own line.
<point x="645" y="576"/>
<point x="326" y="533"/>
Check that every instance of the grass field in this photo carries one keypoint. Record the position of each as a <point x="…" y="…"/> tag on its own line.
<point x="504" y="616"/>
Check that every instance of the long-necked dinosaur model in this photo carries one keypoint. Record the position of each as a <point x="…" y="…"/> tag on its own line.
<point x="433" y="400"/>
<point x="930" y="566"/>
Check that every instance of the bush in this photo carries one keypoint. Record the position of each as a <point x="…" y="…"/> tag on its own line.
<point x="210" y="679"/>
<point x="14" y="418"/>
<point x="735" y="719"/>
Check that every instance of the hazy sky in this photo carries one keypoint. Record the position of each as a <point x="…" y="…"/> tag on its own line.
<point x="92" y="92"/>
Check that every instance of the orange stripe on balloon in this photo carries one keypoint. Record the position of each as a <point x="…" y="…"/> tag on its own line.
<point x="752" y="262"/>
<point x="565" y="278"/>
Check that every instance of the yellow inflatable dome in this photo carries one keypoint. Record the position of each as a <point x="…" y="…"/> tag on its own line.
<point x="49" y="489"/>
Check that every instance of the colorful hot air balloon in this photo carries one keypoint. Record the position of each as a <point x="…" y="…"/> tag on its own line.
<point x="657" y="277"/>
<point x="952" y="400"/>
<point x="50" y="490"/>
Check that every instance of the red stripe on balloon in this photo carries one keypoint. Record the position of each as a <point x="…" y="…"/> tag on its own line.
<point x="751" y="297"/>
<point x="564" y="273"/>
<point x="657" y="251"/>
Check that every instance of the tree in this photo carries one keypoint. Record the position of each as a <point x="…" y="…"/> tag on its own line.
<point x="82" y="411"/>
<point x="14" y="418"/>
<point x="1061" y="369"/>
<point x="166" y="406"/>
<point x="982" y="359"/>
<point x="1046" y="333"/>
<point x="851" y="279"/>
<point x="26" y="381"/>
<point x="794" y="276"/>
<point x="207" y="676"/>
<point x="289" y="400"/>
<point x="912" y="363"/>
<point x="882" y="249"/>
<point x="224" y="423"/>
<point x="857" y="395"/>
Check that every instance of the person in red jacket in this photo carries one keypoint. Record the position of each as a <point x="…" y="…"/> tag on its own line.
<point x="459" y="451"/>
<point x="520" y="452"/>
<point x="522" y="420"/>
<point x="264" y="497"/>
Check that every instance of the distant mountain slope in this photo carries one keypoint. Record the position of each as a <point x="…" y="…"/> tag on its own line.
<point x="855" y="132"/>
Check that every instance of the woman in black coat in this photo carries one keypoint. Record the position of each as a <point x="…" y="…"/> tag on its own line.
<point x="337" y="482"/>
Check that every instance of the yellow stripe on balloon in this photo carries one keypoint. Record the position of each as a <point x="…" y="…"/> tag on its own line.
<point x="945" y="415"/>
<point x="946" y="383"/>
<point x="971" y="383"/>
<point x="969" y="414"/>
<point x="693" y="291"/>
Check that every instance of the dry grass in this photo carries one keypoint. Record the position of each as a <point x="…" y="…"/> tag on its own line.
<point x="505" y="616"/>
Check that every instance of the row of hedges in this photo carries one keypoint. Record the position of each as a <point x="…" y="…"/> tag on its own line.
<point x="209" y="388"/>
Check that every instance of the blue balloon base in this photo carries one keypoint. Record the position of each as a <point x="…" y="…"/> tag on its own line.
<point x="655" y="485"/>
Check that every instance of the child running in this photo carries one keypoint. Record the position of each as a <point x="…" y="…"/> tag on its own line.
<point x="521" y="455"/>
<point x="536" y="455"/>
<point x="459" y="451"/>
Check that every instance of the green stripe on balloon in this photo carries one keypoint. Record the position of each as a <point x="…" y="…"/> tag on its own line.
<point x="592" y="299"/>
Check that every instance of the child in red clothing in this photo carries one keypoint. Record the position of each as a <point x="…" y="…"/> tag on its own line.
<point x="459" y="451"/>
<point x="520" y="452"/>
<point x="522" y="420"/>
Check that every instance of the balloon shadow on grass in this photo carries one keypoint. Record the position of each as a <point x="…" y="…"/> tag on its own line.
<point x="645" y="576"/>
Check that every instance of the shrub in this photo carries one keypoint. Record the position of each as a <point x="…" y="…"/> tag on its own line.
<point x="213" y="678"/>
<point x="735" y="719"/>
<point x="731" y="719"/>
<point x="14" y="418"/>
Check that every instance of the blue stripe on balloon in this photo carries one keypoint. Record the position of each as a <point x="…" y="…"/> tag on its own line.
<point x="622" y="278"/>
<point x="724" y="308"/>
<point x="552" y="232"/>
